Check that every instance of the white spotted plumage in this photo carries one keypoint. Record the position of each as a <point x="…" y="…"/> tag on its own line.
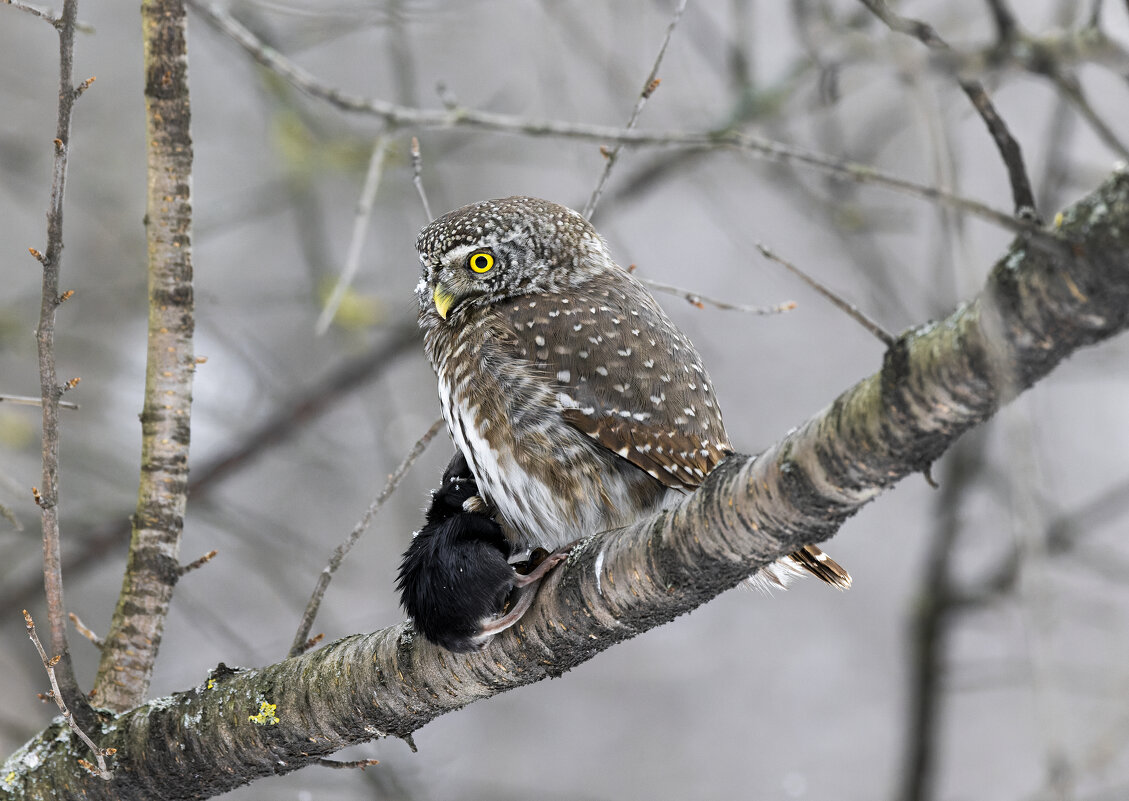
<point x="557" y="371"/>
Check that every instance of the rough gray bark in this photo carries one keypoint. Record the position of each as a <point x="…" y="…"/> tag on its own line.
<point x="1038" y="306"/>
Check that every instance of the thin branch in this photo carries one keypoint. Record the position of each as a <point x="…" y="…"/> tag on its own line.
<point x="50" y="388"/>
<point x="47" y="14"/>
<point x="357" y="241"/>
<point x="850" y="309"/>
<point x="27" y="400"/>
<point x="85" y="630"/>
<point x="701" y="301"/>
<point x="352" y="765"/>
<point x="343" y="549"/>
<point x="1010" y="152"/>
<point x="417" y="177"/>
<point x="35" y="11"/>
<point x="1004" y="20"/>
<point x="198" y="563"/>
<point x="649" y="86"/>
<point x="455" y="116"/>
<point x="49" y="664"/>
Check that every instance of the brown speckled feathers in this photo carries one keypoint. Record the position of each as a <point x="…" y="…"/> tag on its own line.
<point x="577" y="402"/>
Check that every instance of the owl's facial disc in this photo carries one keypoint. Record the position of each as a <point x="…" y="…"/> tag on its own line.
<point x="467" y="272"/>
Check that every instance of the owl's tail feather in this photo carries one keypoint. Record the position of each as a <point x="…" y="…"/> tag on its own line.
<point x="822" y="566"/>
<point x="808" y="559"/>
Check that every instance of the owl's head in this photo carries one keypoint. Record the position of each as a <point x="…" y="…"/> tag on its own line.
<point x="493" y="250"/>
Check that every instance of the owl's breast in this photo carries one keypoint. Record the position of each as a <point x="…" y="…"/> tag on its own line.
<point x="549" y="482"/>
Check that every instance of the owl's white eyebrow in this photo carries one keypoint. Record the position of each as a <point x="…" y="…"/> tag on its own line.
<point x="456" y="254"/>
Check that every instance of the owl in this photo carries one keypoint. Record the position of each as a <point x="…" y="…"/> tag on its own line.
<point x="578" y="405"/>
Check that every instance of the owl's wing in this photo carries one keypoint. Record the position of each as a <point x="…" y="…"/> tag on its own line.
<point x="625" y="375"/>
<point x="630" y="380"/>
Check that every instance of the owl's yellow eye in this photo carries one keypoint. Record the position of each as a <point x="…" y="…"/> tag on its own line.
<point x="481" y="261"/>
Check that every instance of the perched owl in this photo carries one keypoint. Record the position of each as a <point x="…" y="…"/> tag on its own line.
<point x="577" y="403"/>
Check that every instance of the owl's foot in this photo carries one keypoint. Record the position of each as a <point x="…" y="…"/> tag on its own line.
<point x="528" y="575"/>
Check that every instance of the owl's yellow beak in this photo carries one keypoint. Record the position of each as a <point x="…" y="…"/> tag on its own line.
<point x="443" y="300"/>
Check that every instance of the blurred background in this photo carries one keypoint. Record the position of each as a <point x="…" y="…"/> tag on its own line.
<point x="983" y="651"/>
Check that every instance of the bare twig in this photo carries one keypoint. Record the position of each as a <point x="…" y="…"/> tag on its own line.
<point x="455" y="116"/>
<point x="356" y="763"/>
<point x="1004" y="21"/>
<point x="343" y="549"/>
<point x="35" y="11"/>
<point x="417" y="177"/>
<point x="85" y="631"/>
<point x="310" y="643"/>
<point x="49" y="664"/>
<point x="649" y="86"/>
<point x="1012" y="155"/>
<point x="50" y="389"/>
<point x="198" y="563"/>
<point x="840" y="303"/>
<point x="701" y="301"/>
<point x="27" y="400"/>
<point x="47" y="14"/>
<point x="357" y="241"/>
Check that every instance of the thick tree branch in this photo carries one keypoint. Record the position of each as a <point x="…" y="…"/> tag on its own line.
<point x="937" y="381"/>
<point x="153" y="566"/>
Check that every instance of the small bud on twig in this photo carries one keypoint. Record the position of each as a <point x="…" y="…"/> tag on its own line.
<point x="203" y="560"/>
<point x="82" y="87"/>
<point x="310" y="643"/>
<point x="82" y="629"/>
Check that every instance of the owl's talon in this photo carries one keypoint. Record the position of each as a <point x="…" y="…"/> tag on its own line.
<point x="539" y="564"/>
